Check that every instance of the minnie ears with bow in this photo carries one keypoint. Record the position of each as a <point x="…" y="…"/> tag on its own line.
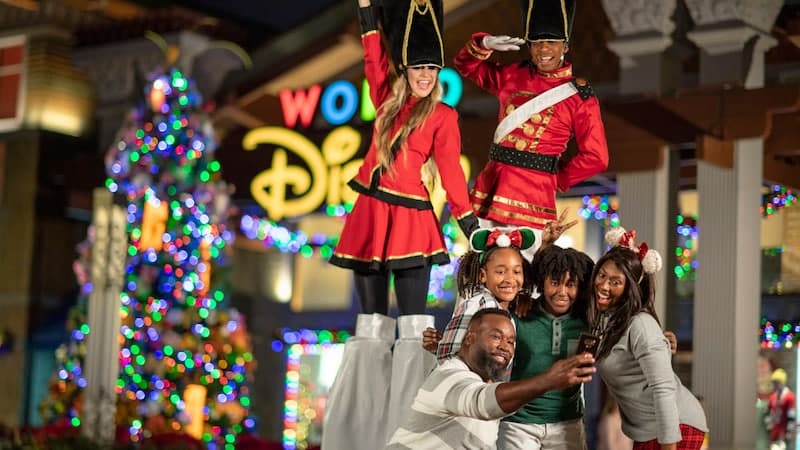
<point x="484" y="239"/>
<point x="651" y="259"/>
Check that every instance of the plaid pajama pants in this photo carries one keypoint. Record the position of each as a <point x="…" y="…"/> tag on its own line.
<point x="691" y="439"/>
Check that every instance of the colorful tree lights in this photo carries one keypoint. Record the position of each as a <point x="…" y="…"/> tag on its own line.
<point x="176" y="327"/>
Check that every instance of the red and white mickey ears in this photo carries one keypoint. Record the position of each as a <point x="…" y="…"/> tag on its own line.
<point x="483" y="239"/>
<point x="619" y="237"/>
<point x="651" y="262"/>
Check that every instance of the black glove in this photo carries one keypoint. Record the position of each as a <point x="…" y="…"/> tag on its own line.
<point x="367" y="20"/>
<point x="468" y="224"/>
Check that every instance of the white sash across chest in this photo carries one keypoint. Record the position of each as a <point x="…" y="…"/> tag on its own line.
<point x="517" y="117"/>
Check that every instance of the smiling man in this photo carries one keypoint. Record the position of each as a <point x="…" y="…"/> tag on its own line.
<point x="542" y="106"/>
<point x="459" y="405"/>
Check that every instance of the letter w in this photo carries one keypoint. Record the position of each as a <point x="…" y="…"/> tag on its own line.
<point x="300" y="104"/>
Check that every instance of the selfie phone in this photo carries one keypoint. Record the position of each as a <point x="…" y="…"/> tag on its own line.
<point x="588" y="343"/>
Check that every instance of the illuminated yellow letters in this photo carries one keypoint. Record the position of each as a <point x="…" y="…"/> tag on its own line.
<point x="330" y="170"/>
<point x="338" y="148"/>
<point x="311" y="186"/>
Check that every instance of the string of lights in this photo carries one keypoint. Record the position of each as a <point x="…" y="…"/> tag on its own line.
<point x="441" y="289"/>
<point x="177" y="329"/>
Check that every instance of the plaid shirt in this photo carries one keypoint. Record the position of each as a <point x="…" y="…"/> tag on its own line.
<point x="456" y="329"/>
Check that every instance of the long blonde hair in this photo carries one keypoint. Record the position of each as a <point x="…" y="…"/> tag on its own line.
<point x="387" y="115"/>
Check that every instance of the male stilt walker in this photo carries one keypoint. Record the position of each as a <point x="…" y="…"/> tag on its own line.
<point x="542" y="107"/>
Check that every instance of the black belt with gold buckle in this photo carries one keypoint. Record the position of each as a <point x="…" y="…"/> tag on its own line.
<point x="526" y="160"/>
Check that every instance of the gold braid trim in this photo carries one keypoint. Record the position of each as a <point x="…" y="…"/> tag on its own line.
<point x="477" y="51"/>
<point x="422" y="7"/>
<point x="528" y="21"/>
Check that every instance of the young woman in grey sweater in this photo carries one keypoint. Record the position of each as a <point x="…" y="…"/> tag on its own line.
<point x="634" y="358"/>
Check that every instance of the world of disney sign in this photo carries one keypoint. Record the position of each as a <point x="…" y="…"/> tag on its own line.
<point x="286" y="190"/>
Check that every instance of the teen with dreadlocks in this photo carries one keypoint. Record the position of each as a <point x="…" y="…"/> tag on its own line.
<point x="547" y="333"/>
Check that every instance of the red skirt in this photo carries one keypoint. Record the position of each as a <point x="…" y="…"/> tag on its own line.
<point x="691" y="439"/>
<point x="380" y="236"/>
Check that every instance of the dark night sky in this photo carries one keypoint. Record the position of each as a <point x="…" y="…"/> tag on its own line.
<point x="274" y="15"/>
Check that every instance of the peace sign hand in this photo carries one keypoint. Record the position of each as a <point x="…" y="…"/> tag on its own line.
<point x="555" y="228"/>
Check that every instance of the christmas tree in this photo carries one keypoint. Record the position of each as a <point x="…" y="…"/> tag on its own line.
<point x="178" y="334"/>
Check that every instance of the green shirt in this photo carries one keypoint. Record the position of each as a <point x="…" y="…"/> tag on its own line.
<point x="543" y="339"/>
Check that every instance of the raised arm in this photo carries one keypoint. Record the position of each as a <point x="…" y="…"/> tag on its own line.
<point x="561" y="375"/>
<point x="471" y="61"/>
<point x="376" y="61"/>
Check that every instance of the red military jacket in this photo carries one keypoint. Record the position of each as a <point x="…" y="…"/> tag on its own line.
<point x="520" y="196"/>
<point x="438" y="137"/>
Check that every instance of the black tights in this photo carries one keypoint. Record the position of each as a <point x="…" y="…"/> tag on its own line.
<point x="410" y="285"/>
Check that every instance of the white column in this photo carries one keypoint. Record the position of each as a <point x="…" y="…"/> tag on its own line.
<point x="647" y="199"/>
<point x="647" y="202"/>
<point x="727" y="295"/>
<point x="732" y="36"/>
<point x="102" y="355"/>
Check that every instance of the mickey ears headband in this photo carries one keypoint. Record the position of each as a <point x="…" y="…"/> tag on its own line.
<point x="484" y="239"/>
<point x="651" y="259"/>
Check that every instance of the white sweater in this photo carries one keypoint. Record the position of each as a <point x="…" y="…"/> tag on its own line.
<point x="454" y="409"/>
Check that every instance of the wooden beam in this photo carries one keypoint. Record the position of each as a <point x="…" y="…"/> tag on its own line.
<point x="716" y="151"/>
<point x="630" y="147"/>
<point x="115" y="9"/>
<point x="30" y="5"/>
<point x="733" y="112"/>
<point x="784" y="136"/>
<point x="648" y="114"/>
<point x="780" y="172"/>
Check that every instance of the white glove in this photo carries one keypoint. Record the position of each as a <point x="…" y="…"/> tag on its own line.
<point x="501" y="43"/>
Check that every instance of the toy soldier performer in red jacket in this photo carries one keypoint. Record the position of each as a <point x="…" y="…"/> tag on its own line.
<point x="542" y="107"/>
<point x="392" y="228"/>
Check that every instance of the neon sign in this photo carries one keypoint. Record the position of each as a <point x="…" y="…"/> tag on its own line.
<point x="339" y="101"/>
<point x="324" y="181"/>
<point x="286" y="190"/>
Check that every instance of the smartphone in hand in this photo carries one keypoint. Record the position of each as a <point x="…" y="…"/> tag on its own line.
<point x="588" y="343"/>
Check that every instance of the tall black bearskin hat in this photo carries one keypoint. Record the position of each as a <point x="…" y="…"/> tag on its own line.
<point x="414" y="28"/>
<point x="547" y="19"/>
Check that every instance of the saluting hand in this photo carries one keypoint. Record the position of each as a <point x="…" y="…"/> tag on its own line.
<point x="501" y="43"/>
